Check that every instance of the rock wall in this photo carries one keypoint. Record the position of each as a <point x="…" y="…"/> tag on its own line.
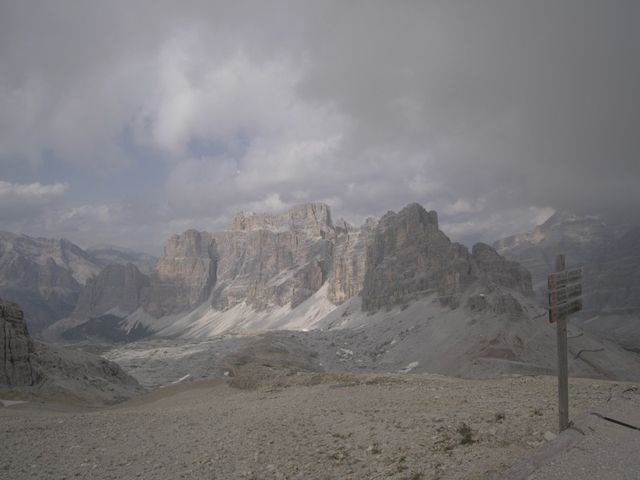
<point x="15" y="347"/>
<point x="348" y="265"/>
<point x="185" y="275"/>
<point x="265" y="262"/>
<point x="274" y="260"/>
<point x="120" y="287"/>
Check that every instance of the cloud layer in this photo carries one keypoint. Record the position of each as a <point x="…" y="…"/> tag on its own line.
<point x="126" y="122"/>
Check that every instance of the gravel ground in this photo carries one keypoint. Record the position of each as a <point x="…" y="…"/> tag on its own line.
<point x="302" y="426"/>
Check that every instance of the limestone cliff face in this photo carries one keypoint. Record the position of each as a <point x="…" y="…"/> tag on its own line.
<point x="270" y="264"/>
<point x="274" y="260"/>
<point x="410" y="257"/>
<point x="185" y="275"/>
<point x="348" y="266"/>
<point x="15" y="347"/>
<point x="120" y="287"/>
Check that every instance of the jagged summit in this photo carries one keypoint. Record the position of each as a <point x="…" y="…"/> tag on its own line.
<point x="413" y="212"/>
<point x="314" y="217"/>
<point x="410" y="257"/>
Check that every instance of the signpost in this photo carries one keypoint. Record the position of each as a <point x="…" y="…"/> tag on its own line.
<point x="565" y="291"/>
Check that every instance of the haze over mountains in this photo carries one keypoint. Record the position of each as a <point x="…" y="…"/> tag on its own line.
<point x="45" y="276"/>
<point x="610" y="256"/>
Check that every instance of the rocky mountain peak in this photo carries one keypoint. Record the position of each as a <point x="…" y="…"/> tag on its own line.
<point x="412" y="214"/>
<point x="409" y="257"/>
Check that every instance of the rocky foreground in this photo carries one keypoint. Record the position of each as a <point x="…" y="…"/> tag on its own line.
<point x="304" y="426"/>
<point x="34" y="370"/>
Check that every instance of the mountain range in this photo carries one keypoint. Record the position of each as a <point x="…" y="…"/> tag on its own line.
<point x="285" y="271"/>
<point x="394" y="292"/>
<point x="45" y="276"/>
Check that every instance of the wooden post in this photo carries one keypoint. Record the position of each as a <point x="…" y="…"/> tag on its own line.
<point x="563" y="367"/>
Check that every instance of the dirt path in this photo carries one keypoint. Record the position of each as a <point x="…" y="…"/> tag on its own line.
<point x="309" y="426"/>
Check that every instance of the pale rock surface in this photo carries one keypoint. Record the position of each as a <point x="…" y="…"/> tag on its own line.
<point x="274" y="260"/>
<point x="185" y="274"/>
<point x="349" y="260"/>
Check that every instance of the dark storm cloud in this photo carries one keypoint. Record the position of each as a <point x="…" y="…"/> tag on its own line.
<point x="491" y="112"/>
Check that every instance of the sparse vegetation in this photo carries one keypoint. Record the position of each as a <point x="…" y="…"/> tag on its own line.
<point x="466" y="434"/>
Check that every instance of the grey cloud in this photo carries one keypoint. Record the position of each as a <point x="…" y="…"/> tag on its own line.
<point x="25" y="201"/>
<point x="490" y="112"/>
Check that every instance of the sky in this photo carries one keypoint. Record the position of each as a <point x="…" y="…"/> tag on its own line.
<point x="124" y="122"/>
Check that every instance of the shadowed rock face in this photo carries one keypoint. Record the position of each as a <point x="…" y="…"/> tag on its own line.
<point x="410" y="257"/>
<point x="15" y="347"/>
<point x="185" y="275"/>
<point x="117" y="286"/>
<point x="46" y="371"/>
<point x="501" y="271"/>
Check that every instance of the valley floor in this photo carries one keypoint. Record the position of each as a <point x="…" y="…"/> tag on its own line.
<point x="301" y="426"/>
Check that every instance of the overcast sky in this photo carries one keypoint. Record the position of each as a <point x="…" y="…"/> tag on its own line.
<point x="125" y="122"/>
